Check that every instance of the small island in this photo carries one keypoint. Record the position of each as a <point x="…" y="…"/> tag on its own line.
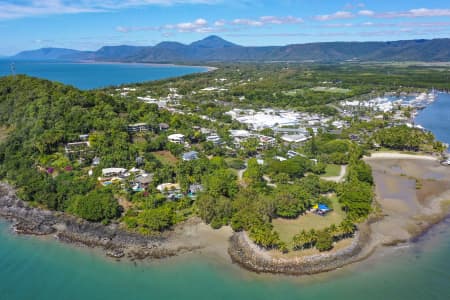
<point x="303" y="168"/>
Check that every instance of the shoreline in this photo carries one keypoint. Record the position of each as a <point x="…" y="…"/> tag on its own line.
<point x="372" y="236"/>
<point x="193" y="236"/>
<point x="93" y="62"/>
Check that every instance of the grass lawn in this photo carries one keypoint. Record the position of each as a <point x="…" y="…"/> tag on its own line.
<point x="332" y="170"/>
<point x="287" y="228"/>
<point x="165" y="157"/>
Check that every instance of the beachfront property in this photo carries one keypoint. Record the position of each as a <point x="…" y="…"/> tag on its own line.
<point x="176" y="138"/>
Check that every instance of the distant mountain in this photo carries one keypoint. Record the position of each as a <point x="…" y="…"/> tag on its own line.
<point x="48" y="54"/>
<point x="213" y="42"/>
<point x="214" y="48"/>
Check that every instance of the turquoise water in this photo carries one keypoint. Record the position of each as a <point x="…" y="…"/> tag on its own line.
<point x="91" y="76"/>
<point x="35" y="269"/>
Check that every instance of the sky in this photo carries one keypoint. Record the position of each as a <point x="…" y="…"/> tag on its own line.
<point x="91" y="24"/>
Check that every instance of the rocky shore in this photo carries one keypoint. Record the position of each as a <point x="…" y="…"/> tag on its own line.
<point x="115" y="241"/>
<point x="413" y="193"/>
<point x="248" y="255"/>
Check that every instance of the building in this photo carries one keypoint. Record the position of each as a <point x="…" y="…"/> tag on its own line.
<point x="163" y="126"/>
<point x="195" y="189"/>
<point x="141" y="182"/>
<point x="77" y="147"/>
<point x="191" y="155"/>
<point x="138" y="127"/>
<point x="168" y="187"/>
<point x="266" y="141"/>
<point x="294" y="138"/>
<point x="176" y="138"/>
<point x="112" y="172"/>
<point x="215" y="139"/>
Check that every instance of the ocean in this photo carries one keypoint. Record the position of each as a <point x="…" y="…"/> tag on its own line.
<point x="44" y="269"/>
<point x="87" y="76"/>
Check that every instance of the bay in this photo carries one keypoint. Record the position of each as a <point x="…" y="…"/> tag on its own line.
<point x="87" y="76"/>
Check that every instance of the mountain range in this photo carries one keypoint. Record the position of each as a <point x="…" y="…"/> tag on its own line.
<point x="214" y="48"/>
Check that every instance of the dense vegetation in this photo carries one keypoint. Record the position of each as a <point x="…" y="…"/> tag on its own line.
<point x="38" y="118"/>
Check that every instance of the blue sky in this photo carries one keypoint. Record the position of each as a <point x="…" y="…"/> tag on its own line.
<point x="90" y="24"/>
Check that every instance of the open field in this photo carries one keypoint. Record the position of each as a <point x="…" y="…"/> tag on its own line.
<point x="330" y="89"/>
<point x="287" y="228"/>
<point x="165" y="157"/>
<point x="332" y="170"/>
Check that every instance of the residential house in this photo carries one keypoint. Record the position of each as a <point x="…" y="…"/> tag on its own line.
<point x="215" y="139"/>
<point x="191" y="155"/>
<point x="138" y="127"/>
<point x="112" y="172"/>
<point x="176" y="138"/>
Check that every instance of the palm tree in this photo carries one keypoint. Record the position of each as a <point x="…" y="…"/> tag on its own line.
<point x="347" y="228"/>
<point x="299" y="241"/>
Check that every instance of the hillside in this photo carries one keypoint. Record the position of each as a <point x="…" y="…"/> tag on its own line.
<point x="214" y="48"/>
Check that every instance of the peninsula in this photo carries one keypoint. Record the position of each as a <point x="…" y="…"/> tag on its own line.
<point x="301" y="166"/>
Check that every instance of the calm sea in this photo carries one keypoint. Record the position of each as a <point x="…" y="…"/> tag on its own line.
<point x="32" y="268"/>
<point x="91" y="76"/>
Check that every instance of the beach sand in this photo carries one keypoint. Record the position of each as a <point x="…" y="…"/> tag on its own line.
<point x="411" y="191"/>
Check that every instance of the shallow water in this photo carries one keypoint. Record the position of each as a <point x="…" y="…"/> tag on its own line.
<point x="32" y="268"/>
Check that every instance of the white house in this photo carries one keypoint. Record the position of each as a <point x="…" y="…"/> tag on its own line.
<point x="215" y="139"/>
<point x="110" y="172"/>
<point x="176" y="138"/>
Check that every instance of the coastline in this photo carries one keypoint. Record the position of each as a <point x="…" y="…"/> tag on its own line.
<point x="195" y="236"/>
<point x="94" y="62"/>
<point x="392" y="226"/>
<point x="112" y="239"/>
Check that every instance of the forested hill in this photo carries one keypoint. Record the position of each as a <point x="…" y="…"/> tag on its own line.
<point x="214" y="48"/>
<point x="40" y="116"/>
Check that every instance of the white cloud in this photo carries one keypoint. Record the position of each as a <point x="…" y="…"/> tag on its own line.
<point x="247" y="22"/>
<point x="412" y="13"/>
<point x="366" y="12"/>
<point x="29" y="8"/>
<point x="219" y="23"/>
<point x="334" y="16"/>
<point x="280" y="20"/>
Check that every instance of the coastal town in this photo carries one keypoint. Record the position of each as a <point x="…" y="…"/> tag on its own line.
<point x="287" y="170"/>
